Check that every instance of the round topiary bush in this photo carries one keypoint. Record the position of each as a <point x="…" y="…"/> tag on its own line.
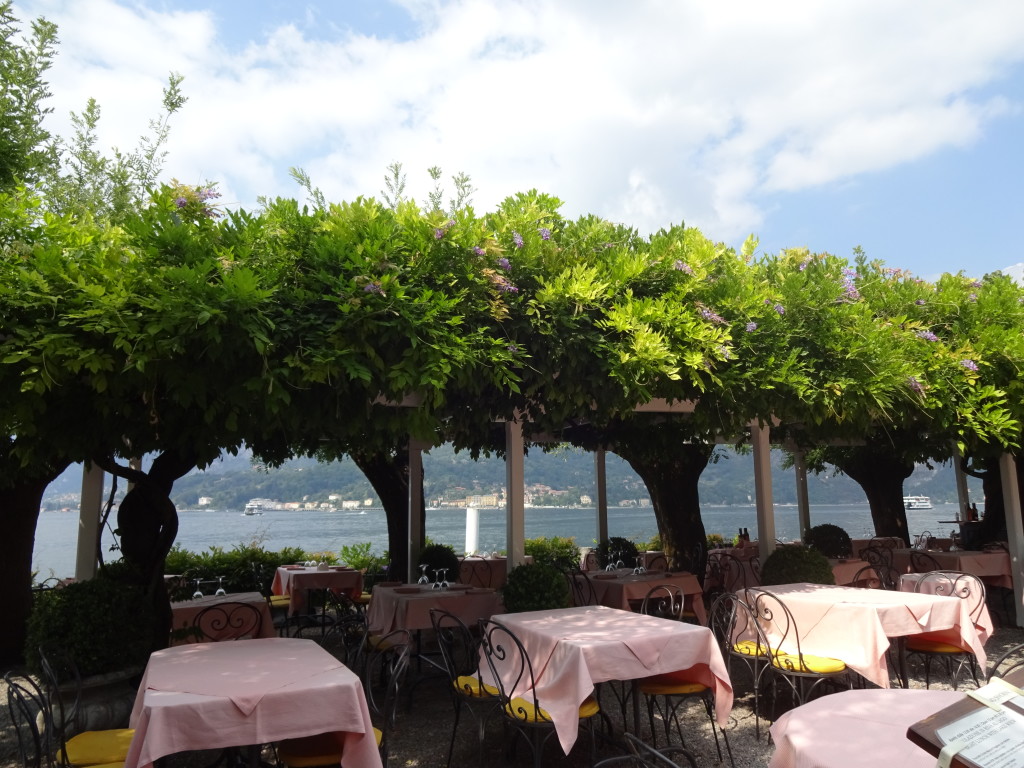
<point x="830" y="540"/>
<point x="438" y="556"/>
<point x="795" y="564"/>
<point x="535" y="587"/>
<point x="616" y="548"/>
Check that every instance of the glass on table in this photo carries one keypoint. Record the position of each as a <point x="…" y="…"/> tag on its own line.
<point x="198" y="593"/>
<point x="423" y="574"/>
<point x="444" y="578"/>
<point x="220" y="587"/>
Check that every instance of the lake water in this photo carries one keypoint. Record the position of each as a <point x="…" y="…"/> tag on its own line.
<point x="320" y="531"/>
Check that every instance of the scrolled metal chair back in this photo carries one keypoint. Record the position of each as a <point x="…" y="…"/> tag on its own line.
<point x="512" y="671"/>
<point x="228" y="621"/>
<point x="665" y="601"/>
<point x="965" y="586"/>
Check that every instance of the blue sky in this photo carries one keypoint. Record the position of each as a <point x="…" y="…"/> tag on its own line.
<point x="896" y="125"/>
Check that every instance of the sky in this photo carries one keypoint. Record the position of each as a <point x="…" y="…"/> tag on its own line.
<point x="893" y="125"/>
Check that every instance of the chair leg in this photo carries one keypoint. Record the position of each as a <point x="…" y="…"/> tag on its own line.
<point x="455" y="728"/>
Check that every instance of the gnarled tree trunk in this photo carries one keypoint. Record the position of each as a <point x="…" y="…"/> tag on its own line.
<point x="880" y="473"/>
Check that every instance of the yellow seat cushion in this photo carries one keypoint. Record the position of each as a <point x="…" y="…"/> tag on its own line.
<point x="378" y="734"/>
<point x="96" y="747"/>
<point x="521" y="709"/>
<point x="468" y="685"/>
<point x="310" y="751"/>
<point x="932" y="646"/>
<point x="671" y="683"/>
<point x="749" y="648"/>
<point x="819" y="665"/>
<point x="279" y="601"/>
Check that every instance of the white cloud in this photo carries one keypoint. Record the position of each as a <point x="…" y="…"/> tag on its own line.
<point x="646" y="112"/>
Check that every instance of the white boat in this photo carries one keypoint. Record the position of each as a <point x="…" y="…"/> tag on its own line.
<point x="917" y="502"/>
<point x="253" y="508"/>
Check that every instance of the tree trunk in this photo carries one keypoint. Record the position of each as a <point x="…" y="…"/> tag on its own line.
<point x="993" y="522"/>
<point x="388" y="473"/>
<point x="19" y="512"/>
<point x="671" y="478"/>
<point x="880" y="474"/>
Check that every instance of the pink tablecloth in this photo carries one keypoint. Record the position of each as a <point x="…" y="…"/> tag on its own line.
<point x="572" y="649"/>
<point x="294" y="582"/>
<point x="855" y="625"/>
<point x="983" y="623"/>
<point x="402" y="608"/>
<point x="857" y="728"/>
<point x="214" y="695"/>
<point x="845" y="570"/>
<point x="484" y="571"/>
<point x="992" y="567"/>
<point x="617" y="588"/>
<point x="184" y="613"/>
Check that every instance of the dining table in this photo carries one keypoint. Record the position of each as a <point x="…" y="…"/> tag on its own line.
<point x="407" y="606"/>
<point x="857" y="625"/>
<point x="488" y="572"/>
<point x="297" y="581"/>
<point x="251" y="692"/>
<point x="623" y="588"/>
<point x="574" y="649"/>
<point x="184" y="613"/>
<point x="854" y="728"/>
<point x="993" y="568"/>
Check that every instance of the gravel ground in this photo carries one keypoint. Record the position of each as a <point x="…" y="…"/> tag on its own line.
<point x="424" y="728"/>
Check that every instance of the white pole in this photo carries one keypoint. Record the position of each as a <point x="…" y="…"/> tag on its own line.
<point x="90" y="509"/>
<point x="472" y="530"/>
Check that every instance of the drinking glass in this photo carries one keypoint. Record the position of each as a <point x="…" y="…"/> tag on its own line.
<point x="437" y="581"/>
<point x="220" y="586"/>
<point x="444" y="578"/>
<point x="618" y="560"/>
<point x="639" y="566"/>
<point x="423" y="574"/>
<point x="198" y="593"/>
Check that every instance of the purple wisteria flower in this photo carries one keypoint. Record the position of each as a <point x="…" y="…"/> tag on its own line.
<point x="374" y="287"/>
<point x="976" y="284"/>
<point x="849" y="287"/>
<point x="927" y="335"/>
<point x="780" y="309"/>
<point x="804" y="264"/>
<point x="438" y="234"/>
<point x="504" y="264"/>
<point x="920" y="302"/>
<point x="707" y="314"/>
<point x="479" y="251"/>
<point x="181" y="202"/>
<point x="517" y="239"/>
<point x="751" y="327"/>
<point x="915" y="385"/>
<point x="682" y="267"/>
<point x="512" y="348"/>
<point x="970" y="365"/>
<point x="724" y="352"/>
<point x="545" y="233"/>
<point x="972" y="297"/>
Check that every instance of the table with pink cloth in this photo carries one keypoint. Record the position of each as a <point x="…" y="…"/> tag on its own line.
<point x="856" y="728"/>
<point x="573" y="649"/>
<point x="844" y="571"/>
<point x="982" y="623"/>
<point x="296" y="581"/>
<point x="184" y="613"/>
<point x="617" y="589"/>
<point x="991" y="567"/>
<point x="216" y="695"/>
<point x="855" y="625"/>
<point x="408" y="606"/>
<point x="886" y="542"/>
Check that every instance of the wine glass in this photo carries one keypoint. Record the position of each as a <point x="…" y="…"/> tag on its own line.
<point x="444" y="578"/>
<point x="618" y="560"/>
<point x="220" y="587"/>
<point x="423" y="574"/>
<point x="437" y="582"/>
<point x="639" y="566"/>
<point x="198" y="593"/>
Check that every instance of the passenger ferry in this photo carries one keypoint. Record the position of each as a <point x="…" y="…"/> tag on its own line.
<point x="254" y="507"/>
<point x="917" y="502"/>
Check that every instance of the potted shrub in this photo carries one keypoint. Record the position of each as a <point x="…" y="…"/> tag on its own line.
<point x="830" y="540"/>
<point x="535" y="587"/>
<point x="795" y="564"/>
<point x="438" y="556"/>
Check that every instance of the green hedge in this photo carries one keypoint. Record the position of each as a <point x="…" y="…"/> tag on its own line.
<point x="235" y="565"/>
<point x="559" y="551"/>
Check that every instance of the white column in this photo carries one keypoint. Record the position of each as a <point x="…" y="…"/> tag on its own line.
<point x="763" y="490"/>
<point x="1014" y="531"/>
<point x="90" y="507"/>
<point x="803" y="504"/>
<point x="415" y="503"/>
<point x="472" y="530"/>
<point x="601" y="480"/>
<point x="515" y="514"/>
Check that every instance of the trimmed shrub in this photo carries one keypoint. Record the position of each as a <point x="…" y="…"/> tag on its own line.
<point x="830" y="540"/>
<point x="535" y="587"/>
<point x="559" y="551"/>
<point x="614" y="548"/>
<point x="438" y="556"/>
<point x="794" y="564"/>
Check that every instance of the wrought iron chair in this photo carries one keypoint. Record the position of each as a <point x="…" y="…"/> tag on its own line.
<point x="30" y="716"/>
<point x="922" y="562"/>
<point x="581" y="588"/>
<point x="511" y="668"/>
<point x="741" y="640"/>
<point x="72" y="742"/>
<point x="641" y="755"/>
<point x="936" y="646"/>
<point x="1011" y="660"/>
<point x="383" y="665"/>
<point x="725" y="573"/>
<point x="866" y="578"/>
<point x="477" y="571"/>
<point x="460" y="651"/>
<point x="877" y="556"/>
<point x="667" y="692"/>
<point x="657" y="563"/>
<point x="345" y="626"/>
<point x="803" y="673"/>
<point x="227" y="621"/>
